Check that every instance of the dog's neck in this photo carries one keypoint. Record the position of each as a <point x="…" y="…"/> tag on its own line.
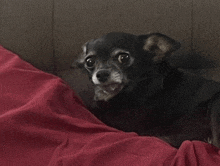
<point x="145" y="90"/>
<point x="166" y="79"/>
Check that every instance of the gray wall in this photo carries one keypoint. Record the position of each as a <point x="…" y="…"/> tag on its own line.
<point x="49" y="33"/>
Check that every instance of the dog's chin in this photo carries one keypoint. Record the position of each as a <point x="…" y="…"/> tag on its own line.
<point x="106" y="92"/>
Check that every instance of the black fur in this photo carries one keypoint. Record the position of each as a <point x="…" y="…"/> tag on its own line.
<point x="156" y="99"/>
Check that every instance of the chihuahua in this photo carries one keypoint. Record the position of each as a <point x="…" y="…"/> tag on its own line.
<point x="137" y="90"/>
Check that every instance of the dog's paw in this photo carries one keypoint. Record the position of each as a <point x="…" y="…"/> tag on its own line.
<point x="213" y="142"/>
<point x="209" y="140"/>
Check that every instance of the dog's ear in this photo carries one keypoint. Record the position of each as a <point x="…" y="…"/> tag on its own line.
<point x="160" y="45"/>
<point x="79" y="62"/>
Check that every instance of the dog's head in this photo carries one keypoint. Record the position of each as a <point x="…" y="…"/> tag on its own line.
<point x="118" y="60"/>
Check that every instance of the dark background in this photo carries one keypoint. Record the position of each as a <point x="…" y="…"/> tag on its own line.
<point x="49" y="33"/>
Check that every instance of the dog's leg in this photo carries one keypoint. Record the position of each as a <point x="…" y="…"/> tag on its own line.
<point x="215" y="123"/>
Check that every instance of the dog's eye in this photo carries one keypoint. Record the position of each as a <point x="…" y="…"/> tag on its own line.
<point x="123" y="58"/>
<point x="90" y="62"/>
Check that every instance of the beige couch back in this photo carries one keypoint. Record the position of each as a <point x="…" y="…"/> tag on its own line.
<point x="49" y="33"/>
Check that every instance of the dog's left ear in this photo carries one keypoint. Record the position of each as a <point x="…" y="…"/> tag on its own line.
<point x="79" y="62"/>
<point x="161" y="46"/>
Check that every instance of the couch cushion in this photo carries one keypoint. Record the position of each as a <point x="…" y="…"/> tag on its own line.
<point x="26" y="28"/>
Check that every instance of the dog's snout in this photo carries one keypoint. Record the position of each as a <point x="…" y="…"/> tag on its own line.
<point x="103" y="75"/>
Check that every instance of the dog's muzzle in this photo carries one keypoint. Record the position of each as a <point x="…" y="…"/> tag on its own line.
<point x="108" y="84"/>
<point x="103" y="76"/>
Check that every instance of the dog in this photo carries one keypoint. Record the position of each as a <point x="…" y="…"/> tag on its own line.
<point x="137" y="90"/>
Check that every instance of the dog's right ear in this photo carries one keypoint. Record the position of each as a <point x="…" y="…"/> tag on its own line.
<point x="79" y="62"/>
<point x="159" y="45"/>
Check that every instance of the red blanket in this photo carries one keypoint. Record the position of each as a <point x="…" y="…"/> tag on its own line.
<point x="42" y="122"/>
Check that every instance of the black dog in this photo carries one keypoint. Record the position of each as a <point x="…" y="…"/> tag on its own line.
<point x="137" y="90"/>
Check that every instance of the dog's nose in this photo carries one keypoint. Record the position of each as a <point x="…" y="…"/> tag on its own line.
<point x="103" y="75"/>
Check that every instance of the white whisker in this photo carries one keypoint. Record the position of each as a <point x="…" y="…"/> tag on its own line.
<point x="116" y="77"/>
